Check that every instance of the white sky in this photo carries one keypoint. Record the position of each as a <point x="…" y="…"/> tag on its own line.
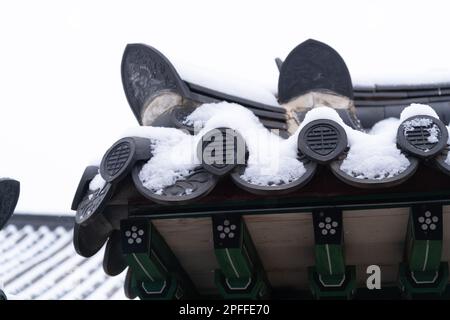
<point x="61" y="98"/>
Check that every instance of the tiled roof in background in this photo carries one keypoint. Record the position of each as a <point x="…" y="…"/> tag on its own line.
<point x="38" y="261"/>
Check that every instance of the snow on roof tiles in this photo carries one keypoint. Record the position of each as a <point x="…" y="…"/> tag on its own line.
<point x="38" y="261"/>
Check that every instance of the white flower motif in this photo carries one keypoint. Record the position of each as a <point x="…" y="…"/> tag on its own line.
<point x="428" y="221"/>
<point x="328" y="227"/>
<point x="134" y="235"/>
<point x="226" y="230"/>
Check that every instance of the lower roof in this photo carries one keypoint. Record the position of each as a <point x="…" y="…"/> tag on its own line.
<point x="38" y="261"/>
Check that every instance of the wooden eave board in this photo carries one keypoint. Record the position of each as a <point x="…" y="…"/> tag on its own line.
<point x="427" y="184"/>
<point x="285" y="244"/>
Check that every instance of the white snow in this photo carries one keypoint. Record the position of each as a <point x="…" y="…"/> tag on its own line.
<point x="385" y="125"/>
<point x="272" y="160"/>
<point x="371" y="155"/>
<point x="417" y="109"/>
<point x="321" y="112"/>
<point x="434" y="134"/>
<point x="173" y="155"/>
<point x="173" y="158"/>
<point x="236" y="84"/>
<point x="97" y="183"/>
<point x="375" y="155"/>
<point x="39" y="263"/>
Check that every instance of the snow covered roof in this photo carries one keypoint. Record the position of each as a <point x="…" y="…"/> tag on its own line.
<point x="38" y="261"/>
<point x="383" y="43"/>
<point x="167" y="166"/>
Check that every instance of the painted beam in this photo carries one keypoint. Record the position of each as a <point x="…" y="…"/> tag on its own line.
<point x="423" y="272"/>
<point x="241" y="274"/>
<point x="330" y="277"/>
<point x="156" y="272"/>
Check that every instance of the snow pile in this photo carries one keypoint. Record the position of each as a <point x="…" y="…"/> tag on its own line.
<point x="97" y="183"/>
<point x="235" y="84"/>
<point x="272" y="160"/>
<point x="321" y="112"/>
<point x="375" y="155"/>
<point x="173" y="156"/>
<point x="371" y="155"/>
<point x="417" y="109"/>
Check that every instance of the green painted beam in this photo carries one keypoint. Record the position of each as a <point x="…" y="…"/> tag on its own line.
<point x="336" y="286"/>
<point x="329" y="259"/>
<point x="330" y="277"/>
<point x="423" y="272"/>
<point x="241" y="274"/>
<point x="157" y="274"/>
<point x="422" y="285"/>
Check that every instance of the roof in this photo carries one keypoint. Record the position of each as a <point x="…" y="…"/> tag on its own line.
<point x="326" y="170"/>
<point x="317" y="137"/>
<point x="328" y="166"/>
<point x="373" y="52"/>
<point x="38" y="261"/>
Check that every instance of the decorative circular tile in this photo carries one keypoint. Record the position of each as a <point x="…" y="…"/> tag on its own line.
<point x="221" y="150"/>
<point x="120" y="158"/>
<point x="422" y="136"/>
<point x="93" y="203"/>
<point x="322" y="140"/>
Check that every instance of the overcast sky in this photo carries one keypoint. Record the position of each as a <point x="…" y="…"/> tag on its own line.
<point x="61" y="98"/>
